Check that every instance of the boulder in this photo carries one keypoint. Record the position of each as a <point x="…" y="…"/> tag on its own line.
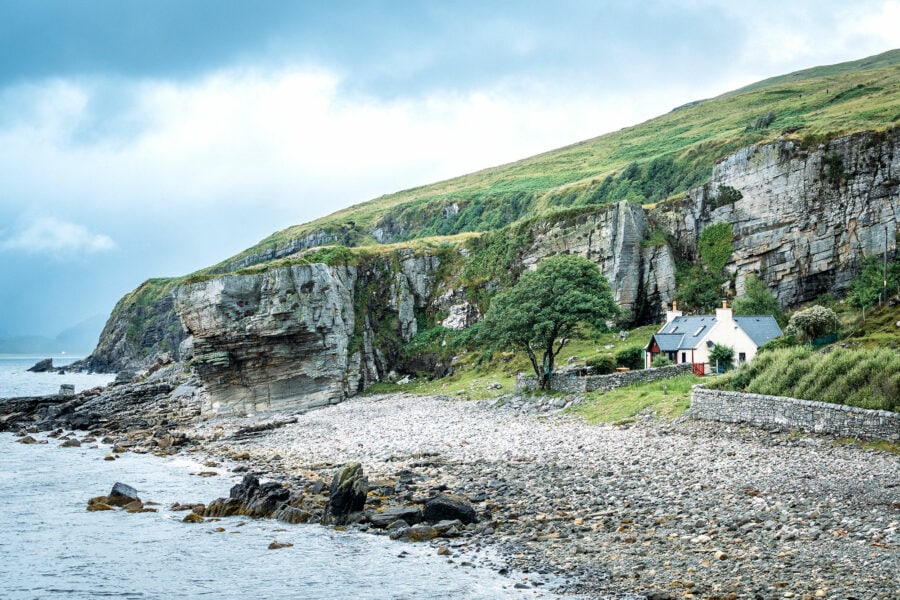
<point x="70" y="443"/>
<point x="192" y="518"/>
<point x="446" y="507"/>
<point x="347" y="494"/>
<point x="43" y="366"/>
<point x="66" y="389"/>
<point x="27" y="440"/>
<point x="292" y="514"/>
<point x="122" y="494"/>
<point x="251" y="499"/>
<point x="409" y="514"/>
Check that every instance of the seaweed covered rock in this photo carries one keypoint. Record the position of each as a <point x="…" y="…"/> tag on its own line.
<point x="348" y="494"/>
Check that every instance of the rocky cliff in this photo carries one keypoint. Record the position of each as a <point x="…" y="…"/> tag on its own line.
<point x="142" y="327"/>
<point x="802" y="218"/>
<point x="293" y="335"/>
<point x="305" y="335"/>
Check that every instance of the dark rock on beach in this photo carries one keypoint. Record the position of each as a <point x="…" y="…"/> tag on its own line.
<point x="348" y="494"/>
<point x="251" y="499"/>
<point x="447" y="507"/>
<point x="410" y="514"/>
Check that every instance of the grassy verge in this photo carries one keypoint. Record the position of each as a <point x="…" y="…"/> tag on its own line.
<point x="669" y="399"/>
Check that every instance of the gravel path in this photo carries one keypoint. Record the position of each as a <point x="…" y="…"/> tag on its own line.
<point x="662" y="509"/>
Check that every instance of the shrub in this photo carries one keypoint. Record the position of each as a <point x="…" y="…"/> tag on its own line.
<point x="715" y="246"/>
<point x="758" y="300"/>
<point x="816" y="321"/>
<point x="631" y="358"/>
<point x="867" y="288"/>
<point x="602" y="364"/>
<point x="723" y="356"/>
<point x="661" y="360"/>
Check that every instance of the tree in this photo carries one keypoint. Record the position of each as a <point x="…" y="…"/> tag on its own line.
<point x="543" y="308"/>
<point x="758" y="300"/>
<point x="815" y="321"/>
<point x="722" y="356"/>
<point x="866" y="289"/>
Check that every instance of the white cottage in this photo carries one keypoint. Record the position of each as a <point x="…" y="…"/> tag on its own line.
<point x="690" y="338"/>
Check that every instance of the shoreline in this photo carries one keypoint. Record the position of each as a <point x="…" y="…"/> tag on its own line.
<point x="659" y="508"/>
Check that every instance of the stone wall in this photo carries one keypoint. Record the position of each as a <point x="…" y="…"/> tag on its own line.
<point x="603" y="383"/>
<point x="791" y="413"/>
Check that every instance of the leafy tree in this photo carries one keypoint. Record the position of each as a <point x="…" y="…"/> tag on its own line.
<point x="698" y="290"/>
<point x="867" y="287"/>
<point x="542" y="309"/>
<point x="816" y="321"/>
<point x="723" y="356"/>
<point x="758" y="300"/>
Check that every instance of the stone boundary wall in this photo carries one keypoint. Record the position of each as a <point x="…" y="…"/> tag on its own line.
<point x="571" y="384"/>
<point x="792" y="413"/>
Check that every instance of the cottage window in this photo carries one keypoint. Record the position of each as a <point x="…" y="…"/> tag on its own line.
<point x="742" y="357"/>
<point x="684" y="357"/>
<point x="700" y="330"/>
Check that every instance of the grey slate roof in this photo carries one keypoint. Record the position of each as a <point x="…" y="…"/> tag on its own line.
<point x="761" y="329"/>
<point x="668" y="342"/>
<point x="692" y="328"/>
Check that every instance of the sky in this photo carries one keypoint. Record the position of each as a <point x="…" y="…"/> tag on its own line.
<point x="151" y="138"/>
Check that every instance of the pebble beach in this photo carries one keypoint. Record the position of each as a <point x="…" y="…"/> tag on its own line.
<point x="655" y="509"/>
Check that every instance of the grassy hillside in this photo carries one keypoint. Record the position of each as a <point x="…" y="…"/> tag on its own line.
<point x="644" y="163"/>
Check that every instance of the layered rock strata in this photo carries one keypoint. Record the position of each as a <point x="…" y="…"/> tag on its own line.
<point x="803" y="218"/>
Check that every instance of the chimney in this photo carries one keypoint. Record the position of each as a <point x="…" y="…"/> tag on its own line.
<point x="724" y="314"/>
<point x="672" y="314"/>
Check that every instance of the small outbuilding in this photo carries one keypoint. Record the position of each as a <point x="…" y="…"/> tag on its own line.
<point x="690" y="338"/>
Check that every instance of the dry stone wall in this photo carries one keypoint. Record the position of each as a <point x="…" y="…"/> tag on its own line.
<point x="792" y="413"/>
<point x="603" y="383"/>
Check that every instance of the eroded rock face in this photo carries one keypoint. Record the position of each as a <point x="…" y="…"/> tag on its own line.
<point x="277" y="337"/>
<point x="804" y="218"/>
<point x="303" y="336"/>
<point x="611" y="237"/>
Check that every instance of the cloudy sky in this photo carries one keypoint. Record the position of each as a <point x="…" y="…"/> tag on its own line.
<point x="154" y="137"/>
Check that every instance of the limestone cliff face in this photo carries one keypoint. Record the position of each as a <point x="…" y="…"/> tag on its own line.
<point x="642" y="279"/>
<point x="301" y="336"/>
<point x="306" y="335"/>
<point x="804" y="217"/>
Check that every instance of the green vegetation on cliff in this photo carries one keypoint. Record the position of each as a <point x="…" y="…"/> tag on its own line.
<point x="643" y="163"/>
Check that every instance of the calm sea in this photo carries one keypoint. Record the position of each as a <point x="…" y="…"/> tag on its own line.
<point x="15" y="380"/>
<point x="51" y="546"/>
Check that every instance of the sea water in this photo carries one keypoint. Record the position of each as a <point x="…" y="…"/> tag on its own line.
<point x="16" y="381"/>
<point x="51" y="546"/>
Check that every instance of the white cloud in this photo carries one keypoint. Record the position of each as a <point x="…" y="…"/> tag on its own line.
<point x="53" y="236"/>
<point x="286" y="138"/>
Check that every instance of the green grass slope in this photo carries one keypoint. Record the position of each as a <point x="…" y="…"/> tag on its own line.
<point x="644" y="163"/>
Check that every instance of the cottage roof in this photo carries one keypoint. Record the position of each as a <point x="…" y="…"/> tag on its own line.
<point x="760" y="328"/>
<point x="668" y="342"/>
<point x="691" y="328"/>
